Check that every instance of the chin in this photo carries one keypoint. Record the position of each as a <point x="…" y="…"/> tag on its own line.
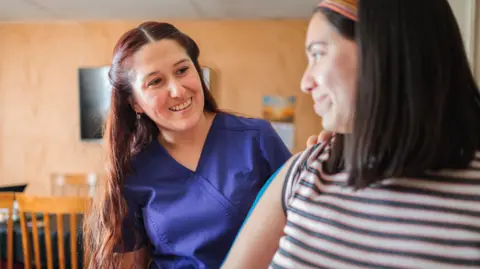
<point x="335" y="127"/>
<point x="329" y="125"/>
<point x="187" y="123"/>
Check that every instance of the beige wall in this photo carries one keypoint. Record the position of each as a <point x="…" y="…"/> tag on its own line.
<point x="39" y="113"/>
<point x="39" y="120"/>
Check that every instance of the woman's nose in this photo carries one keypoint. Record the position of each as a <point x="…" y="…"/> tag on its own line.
<point x="176" y="89"/>
<point x="308" y="83"/>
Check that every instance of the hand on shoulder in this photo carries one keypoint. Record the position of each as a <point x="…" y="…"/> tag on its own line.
<point x="322" y="137"/>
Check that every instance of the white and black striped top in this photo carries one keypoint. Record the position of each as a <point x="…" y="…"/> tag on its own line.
<point x="399" y="223"/>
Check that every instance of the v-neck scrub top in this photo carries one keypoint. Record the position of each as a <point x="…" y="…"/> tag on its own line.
<point x="189" y="219"/>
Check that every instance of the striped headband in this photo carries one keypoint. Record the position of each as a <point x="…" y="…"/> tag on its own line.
<point x="347" y="8"/>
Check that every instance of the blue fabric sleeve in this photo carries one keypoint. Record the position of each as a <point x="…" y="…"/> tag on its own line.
<point x="259" y="196"/>
<point x="134" y="235"/>
<point x="273" y="149"/>
<point x="276" y="154"/>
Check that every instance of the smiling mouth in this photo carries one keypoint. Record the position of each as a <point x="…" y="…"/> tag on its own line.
<point x="320" y="99"/>
<point x="183" y="106"/>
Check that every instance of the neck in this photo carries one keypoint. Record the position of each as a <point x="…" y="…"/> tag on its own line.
<point x="191" y="137"/>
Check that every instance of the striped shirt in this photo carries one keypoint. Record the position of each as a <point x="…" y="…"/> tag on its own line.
<point x="398" y="223"/>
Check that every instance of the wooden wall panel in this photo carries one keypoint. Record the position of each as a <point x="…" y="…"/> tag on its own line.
<point x="39" y="111"/>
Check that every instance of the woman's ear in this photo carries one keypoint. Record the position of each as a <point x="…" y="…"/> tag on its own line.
<point x="135" y="106"/>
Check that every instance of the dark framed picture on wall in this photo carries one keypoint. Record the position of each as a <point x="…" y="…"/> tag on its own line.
<point x="94" y="95"/>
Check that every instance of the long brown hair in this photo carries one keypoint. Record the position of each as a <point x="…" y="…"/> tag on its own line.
<point x="124" y="136"/>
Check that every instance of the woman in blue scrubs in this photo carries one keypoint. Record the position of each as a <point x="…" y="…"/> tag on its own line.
<point x="182" y="175"/>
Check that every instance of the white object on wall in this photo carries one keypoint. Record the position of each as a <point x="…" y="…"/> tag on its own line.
<point x="206" y="72"/>
<point x="286" y="131"/>
<point x="92" y="182"/>
<point x="465" y="13"/>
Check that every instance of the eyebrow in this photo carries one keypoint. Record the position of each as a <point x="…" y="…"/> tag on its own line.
<point x="147" y="75"/>
<point x="181" y="61"/>
<point x="309" y="47"/>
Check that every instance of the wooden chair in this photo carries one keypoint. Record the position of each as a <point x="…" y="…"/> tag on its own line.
<point x="58" y="206"/>
<point x="6" y="202"/>
<point x="83" y="184"/>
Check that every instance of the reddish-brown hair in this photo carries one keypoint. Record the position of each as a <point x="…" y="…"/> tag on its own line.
<point x="124" y="136"/>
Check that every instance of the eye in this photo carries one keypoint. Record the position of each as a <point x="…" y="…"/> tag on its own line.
<point x="154" y="82"/>
<point x="317" y="55"/>
<point x="182" y="70"/>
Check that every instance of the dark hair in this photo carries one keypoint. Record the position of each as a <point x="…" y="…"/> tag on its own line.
<point x="344" y="25"/>
<point x="417" y="104"/>
<point x="125" y="136"/>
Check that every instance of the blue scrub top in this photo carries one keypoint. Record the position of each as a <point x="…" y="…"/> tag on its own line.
<point x="190" y="218"/>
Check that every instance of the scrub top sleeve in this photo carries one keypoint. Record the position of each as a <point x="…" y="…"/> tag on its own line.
<point x="273" y="149"/>
<point x="133" y="233"/>
<point x="262" y="191"/>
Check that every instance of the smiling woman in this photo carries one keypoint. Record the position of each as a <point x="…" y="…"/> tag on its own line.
<point x="398" y="186"/>
<point x="167" y="88"/>
<point x="182" y="174"/>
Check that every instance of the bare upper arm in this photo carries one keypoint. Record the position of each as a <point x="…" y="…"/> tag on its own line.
<point x="138" y="259"/>
<point x="258" y="240"/>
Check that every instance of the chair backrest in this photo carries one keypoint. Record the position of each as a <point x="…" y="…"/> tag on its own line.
<point x="6" y="202"/>
<point x="47" y="206"/>
<point x="82" y="184"/>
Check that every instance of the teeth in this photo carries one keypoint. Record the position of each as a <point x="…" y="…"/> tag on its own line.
<point x="182" y="106"/>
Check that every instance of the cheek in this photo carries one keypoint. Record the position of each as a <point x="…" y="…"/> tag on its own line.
<point x="192" y="82"/>
<point x="160" y="101"/>
<point x="152" y="102"/>
<point x="325" y="73"/>
<point x="341" y="72"/>
<point x="348" y="76"/>
<point x="341" y="77"/>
